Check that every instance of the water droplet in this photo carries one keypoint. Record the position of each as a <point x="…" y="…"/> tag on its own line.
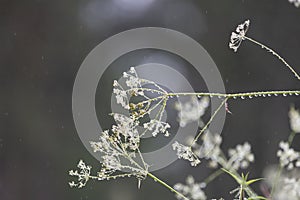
<point x="234" y="97"/>
<point x="296" y="94"/>
<point x="284" y="95"/>
<point x="264" y="95"/>
<point x="242" y="97"/>
<point x="256" y="95"/>
<point x="269" y="95"/>
<point x="276" y="95"/>
<point x="250" y="97"/>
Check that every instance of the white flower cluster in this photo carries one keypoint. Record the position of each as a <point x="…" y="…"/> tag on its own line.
<point x="117" y="151"/>
<point x="126" y="127"/>
<point x="210" y="148"/>
<point x="114" y="149"/>
<point x="124" y="140"/>
<point x="287" y="184"/>
<point x="119" y="147"/>
<point x="133" y="82"/>
<point x="294" y="120"/>
<point x="292" y="187"/>
<point x="295" y="2"/>
<point x="289" y="189"/>
<point x="239" y="35"/>
<point x="83" y="175"/>
<point x="143" y="89"/>
<point x="121" y="95"/>
<point x="288" y="157"/>
<point x="192" y="190"/>
<point x="186" y="153"/>
<point x="191" y="110"/>
<point x="157" y="126"/>
<point x="240" y="157"/>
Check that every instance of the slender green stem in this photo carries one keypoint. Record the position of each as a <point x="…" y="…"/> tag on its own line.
<point x="251" y="192"/>
<point x="277" y="176"/>
<point x="166" y="185"/>
<point x="275" y="54"/>
<point x="224" y="164"/>
<point x="142" y="158"/>
<point x="153" y="108"/>
<point x="210" y="120"/>
<point x="158" y="115"/>
<point x="291" y="138"/>
<point x="110" y="177"/>
<point x="151" y="100"/>
<point x="214" y="175"/>
<point x="145" y="89"/>
<point x="241" y="95"/>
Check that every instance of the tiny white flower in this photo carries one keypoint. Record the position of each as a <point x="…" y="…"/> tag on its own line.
<point x="132" y="70"/>
<point x="290" y="189"/>
<point x="191" y="110"/>
<point x="288" y="156"/>
<point x="287" y="184"/>
<point x="121" y="97"/>
<point x="238" y="36"/>
<point x="111" y="162"/>
<point x="210" y="148"/>
<point x="294" y="116"/>
<point x="241" y="156"/>
<point x="83" y="175"/>
<point x="133" y="82"/>
<point x="125" y="75"/>
<point x="192" y="190"/>
<point x="186" y="153"/>
<point x="115" y="83"/>
<point x="296" y="2"/>
<point x="298" y="163"/>
<point x="156" y="126"/>
<point x="126" y="127"/>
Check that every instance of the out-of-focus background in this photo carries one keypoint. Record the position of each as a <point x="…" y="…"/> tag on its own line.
<point x="43" y="43"/>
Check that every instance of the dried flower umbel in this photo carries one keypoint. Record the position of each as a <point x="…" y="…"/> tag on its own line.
<point x="239" y="35"/>
<point x="186" y="153"/>
<point x="118" y="151"/>
<point x="119" y="146"/>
